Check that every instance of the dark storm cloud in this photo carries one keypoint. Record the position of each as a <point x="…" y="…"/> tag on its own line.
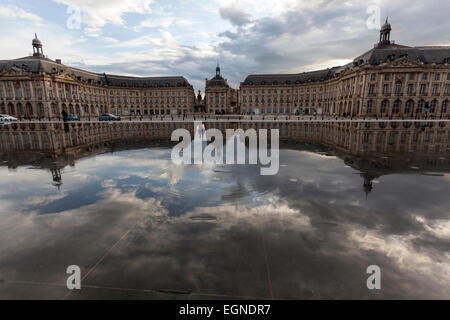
<point x="235" y="16"/>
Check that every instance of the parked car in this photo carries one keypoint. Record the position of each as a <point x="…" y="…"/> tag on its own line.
<point x="108" y="117"/>
<point x="7" y="118"/>
<point x="72" y="117"/>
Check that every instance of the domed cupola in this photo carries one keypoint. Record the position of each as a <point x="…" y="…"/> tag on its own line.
<point x="37" y="47"/>
<point x="385" y="33"/>
<point x="218" y="71"/>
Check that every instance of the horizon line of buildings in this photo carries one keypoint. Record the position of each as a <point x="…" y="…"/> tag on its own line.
<point x="389" y="80"/>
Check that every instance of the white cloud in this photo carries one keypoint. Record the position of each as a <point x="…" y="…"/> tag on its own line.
<point x="100" y="12"/>
<point x="261" y="8"/>
<point x="153" y="22"/>
<point x="13" y="12"/>
<point x="93" y="32"/>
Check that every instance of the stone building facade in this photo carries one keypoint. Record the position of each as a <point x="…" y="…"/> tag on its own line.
<point x="390" y="80"/>
<point x="220" y="98"/>
<point x="37" y="87"/>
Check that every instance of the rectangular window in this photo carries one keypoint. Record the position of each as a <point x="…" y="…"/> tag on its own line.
<point x="423" y="89"/>
<point x="435" y="89"/>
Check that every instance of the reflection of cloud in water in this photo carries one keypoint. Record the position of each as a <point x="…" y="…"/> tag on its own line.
<point x="216" y="229"/>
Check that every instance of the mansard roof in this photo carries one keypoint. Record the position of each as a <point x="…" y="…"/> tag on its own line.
<point x="283" y="79"/>
<point x="384" y="53"/>
<point x="380" y="54"/>
<point x="217" y="81"/>
<point x="37" y="65"/>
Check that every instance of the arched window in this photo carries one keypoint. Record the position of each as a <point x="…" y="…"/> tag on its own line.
<point x="41" y="110"/>
<point x="384" y="104"/>
<point x="29" y="109"/>
<point x="444" y="106"/>
<point x="396" y="108"/>
<point x="420" y="106"/>
<point x="12" y="110"/>
<point x="398" y="88"/>
<point x="3" y="109"/>
<point x="433" y="106"/>
<point x="370" y="106"/>
<point x="21" y="110"/>
<point x="408" y="106"/>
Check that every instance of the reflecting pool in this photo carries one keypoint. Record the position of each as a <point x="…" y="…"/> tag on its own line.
<point x="141" y="227"/>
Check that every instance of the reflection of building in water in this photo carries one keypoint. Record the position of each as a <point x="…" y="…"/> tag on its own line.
<point x="360" y="138"/>
<point x="369" y="166"/>
<point x="368" y="182"/>
<point x="36" y="86"/>
<point x="357" y="138"/>
<point x="56" y="175"/>
<point x="372" y="168"/>
<point x="52" y="138"/>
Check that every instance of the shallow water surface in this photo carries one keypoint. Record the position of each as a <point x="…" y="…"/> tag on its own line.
<point x="141" y="227"/>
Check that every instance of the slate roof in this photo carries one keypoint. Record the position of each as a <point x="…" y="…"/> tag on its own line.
<point x="283" y="79"/>
<point x="37" y="65"/>
<point x="217" y="81"/>
<point x="380" y="54"/>
<point x="427" y="55"/>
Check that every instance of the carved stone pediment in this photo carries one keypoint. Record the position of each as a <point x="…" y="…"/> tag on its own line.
<point x="405" y="62"/>
<point x="13" y="71"/>
<point x="67" y="76"/>
<point x="346" y="71"/>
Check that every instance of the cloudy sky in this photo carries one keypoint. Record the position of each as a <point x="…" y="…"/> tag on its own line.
<point x="188" y="37"/>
